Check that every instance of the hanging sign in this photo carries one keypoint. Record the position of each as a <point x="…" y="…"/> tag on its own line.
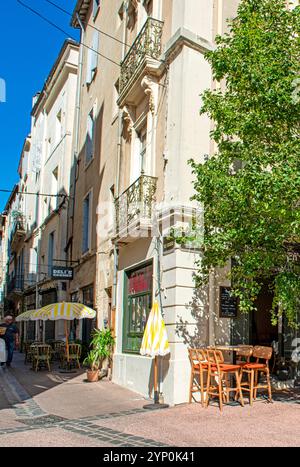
<point x="61" y="272"/>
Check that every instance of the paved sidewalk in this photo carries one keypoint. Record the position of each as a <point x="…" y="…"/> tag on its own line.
<point x="59" y="409"/>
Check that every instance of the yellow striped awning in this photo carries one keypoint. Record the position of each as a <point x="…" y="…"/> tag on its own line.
<point x="63" y="310"/>
<point x="155" y="340"/>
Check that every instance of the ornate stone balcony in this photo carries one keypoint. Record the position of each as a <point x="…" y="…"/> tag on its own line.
<point x="134" y="209"/>
<point x="142" y="57"/>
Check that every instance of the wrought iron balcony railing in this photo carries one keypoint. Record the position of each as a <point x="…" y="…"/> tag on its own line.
<point x="18" y="233"/>
<point x="16" y="284"/>
<point x="146" y="44"/>
<point x="136" y="203"/>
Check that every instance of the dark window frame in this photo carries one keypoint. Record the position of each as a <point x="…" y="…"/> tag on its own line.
<point x="127" y="332"/>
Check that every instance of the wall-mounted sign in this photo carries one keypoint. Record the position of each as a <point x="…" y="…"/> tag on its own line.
<point x="168" y="244"/>
<point x="61" y="272"/>
<point x="228" y="304"/>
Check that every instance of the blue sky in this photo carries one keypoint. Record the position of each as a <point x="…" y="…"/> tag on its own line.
<point x="28" y="49"/>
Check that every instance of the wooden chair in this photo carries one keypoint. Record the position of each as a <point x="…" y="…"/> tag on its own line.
<point x="74" y="355"/>
<point x="253" y="369"/>
<point x="244" y="354"/>
<point x="221" y="373"/>
<point x="41" y="355"/>
<point x="199" y="369"/>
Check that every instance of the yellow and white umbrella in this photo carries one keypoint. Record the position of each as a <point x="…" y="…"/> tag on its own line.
<point x="155" y="342"/>
<point x="63" y="310"/>
<point x="66" y="311"/>
<point x="25" y="316"/>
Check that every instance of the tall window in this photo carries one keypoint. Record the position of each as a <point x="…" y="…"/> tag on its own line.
<point x="90" y="137"/>
<point x="137" y="306"/>
<point x="50" y="253"/>
<point x="142" y="149"/>
<point x="92" y="58"/>
<point x="33" y="259"/>
<point x="86" y="225"/>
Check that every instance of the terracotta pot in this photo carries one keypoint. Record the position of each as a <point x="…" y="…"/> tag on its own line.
<point x="92" y="375"/>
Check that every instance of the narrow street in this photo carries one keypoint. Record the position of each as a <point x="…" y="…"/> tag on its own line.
<point x="62" y="410"/>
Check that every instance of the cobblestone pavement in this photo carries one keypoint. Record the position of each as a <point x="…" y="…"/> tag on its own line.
<point x="48" y="409"/>
<point x="30" y="414"/>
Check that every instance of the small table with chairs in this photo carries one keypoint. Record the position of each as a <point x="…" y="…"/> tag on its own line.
<point x="211" y="376"/>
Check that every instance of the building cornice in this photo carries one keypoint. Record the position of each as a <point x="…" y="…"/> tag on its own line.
<point x="56" y="74"/>
<point x="185" y="37"/>
<point x="81" y="9"/>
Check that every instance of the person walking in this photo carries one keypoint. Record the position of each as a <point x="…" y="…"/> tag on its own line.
<point x="10" y="333"/>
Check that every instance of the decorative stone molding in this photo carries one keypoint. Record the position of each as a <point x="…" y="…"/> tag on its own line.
<point x="127" y="124"/>
<point x="148" y="84"/>
<point x="132" y="13"/>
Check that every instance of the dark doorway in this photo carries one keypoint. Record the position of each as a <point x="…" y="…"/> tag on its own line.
<point x="262" y="332"/>
<point x="49" y="297"/>
<point x="88" y="324"/>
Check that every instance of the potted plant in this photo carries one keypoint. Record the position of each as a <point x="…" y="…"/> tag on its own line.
<point x="101" y="348"/>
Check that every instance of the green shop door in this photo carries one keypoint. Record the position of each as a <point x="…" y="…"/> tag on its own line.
<point x="138" y="296"/>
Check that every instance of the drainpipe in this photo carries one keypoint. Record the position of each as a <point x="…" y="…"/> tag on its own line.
<point x="119" y="148"/>
<point x="211" y="308"/>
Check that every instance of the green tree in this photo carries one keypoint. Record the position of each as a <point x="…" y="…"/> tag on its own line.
<point x="250" y="188"/>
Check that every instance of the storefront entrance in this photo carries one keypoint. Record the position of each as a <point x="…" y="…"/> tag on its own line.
<point x="261" y="331"/>
<point x="48" y="298"/>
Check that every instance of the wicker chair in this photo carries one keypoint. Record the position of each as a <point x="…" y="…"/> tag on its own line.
<point x="41" y="355"/>
<point x="74" y="355"/>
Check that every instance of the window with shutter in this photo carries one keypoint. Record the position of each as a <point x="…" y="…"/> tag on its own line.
<point x="95" y="47"/>
<point x="96" y="7"/>
<point x="90" y="137"/>
<point x="92" y="58"/>
<point x="88" y="67"/>
<point x="50" y="253"/>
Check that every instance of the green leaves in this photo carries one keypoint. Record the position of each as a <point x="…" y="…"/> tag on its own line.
<point x="102" y="344"/>
<point x="250" y="189"/>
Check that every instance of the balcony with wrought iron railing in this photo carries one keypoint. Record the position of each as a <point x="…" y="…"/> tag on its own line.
<point x="16" y="285"/>
<point x="134" y="209"/>
<point x="145" y="50"/>
<point x="18" y="233"/>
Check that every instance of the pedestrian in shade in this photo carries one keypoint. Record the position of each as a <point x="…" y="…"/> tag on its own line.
<point x="10" y="333"/>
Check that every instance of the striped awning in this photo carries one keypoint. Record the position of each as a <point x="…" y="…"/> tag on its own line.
<point x="25" y="316"/>
<point x="63" y="310"/>
<point x="155" y="340"/>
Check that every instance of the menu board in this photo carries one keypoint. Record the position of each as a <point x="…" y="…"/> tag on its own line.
<point x="228" y="304"/>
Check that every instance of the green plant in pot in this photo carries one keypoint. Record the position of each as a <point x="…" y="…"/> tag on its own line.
<point x="102" y="344"/>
